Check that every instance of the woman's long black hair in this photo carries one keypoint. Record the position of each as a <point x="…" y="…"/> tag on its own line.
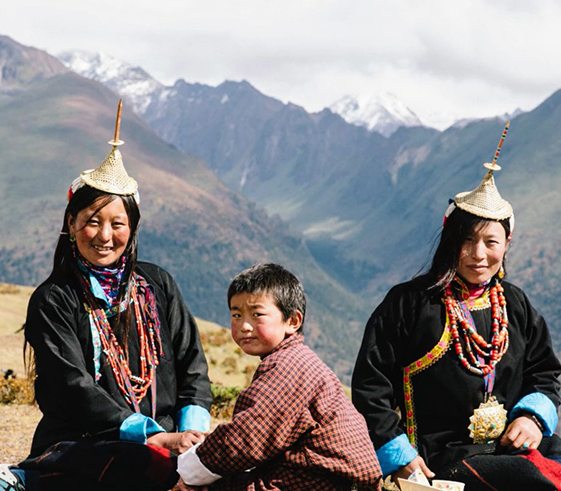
<point x="459" y="226"/>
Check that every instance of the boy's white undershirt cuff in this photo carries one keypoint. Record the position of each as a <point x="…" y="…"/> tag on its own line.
<point x="192" y="470"/>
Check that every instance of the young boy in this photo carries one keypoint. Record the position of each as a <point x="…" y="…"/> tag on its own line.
<point x="293" y="428"/>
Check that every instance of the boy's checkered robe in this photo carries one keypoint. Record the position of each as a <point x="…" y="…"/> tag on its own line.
<point x="295" y="427"/>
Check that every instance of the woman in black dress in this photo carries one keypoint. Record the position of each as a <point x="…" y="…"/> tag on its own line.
<point x="118" y="359"/>
<point x="465" y="358"/>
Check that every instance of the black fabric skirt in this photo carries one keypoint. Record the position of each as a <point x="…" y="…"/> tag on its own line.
<point x="95" y="466"/>
<point x="489" y="468"/>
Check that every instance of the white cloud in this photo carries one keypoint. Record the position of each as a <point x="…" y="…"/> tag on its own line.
<point x="471" y="58"/>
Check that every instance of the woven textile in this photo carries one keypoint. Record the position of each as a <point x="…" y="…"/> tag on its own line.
<point x="111" y="176"/>
<point x="108" y="279"/>
<point x="485" y="200"/>
<point x="525" y="470"/>
<point x="295" y="427"/>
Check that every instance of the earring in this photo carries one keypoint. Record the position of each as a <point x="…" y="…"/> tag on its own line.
<point x="501" y="272"/>
<point x="72" y="238"/>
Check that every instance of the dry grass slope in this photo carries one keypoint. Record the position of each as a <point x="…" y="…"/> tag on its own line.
<point x="13" y="306"/>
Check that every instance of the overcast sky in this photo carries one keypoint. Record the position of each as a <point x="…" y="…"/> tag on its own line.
<point x="463" y="58"/>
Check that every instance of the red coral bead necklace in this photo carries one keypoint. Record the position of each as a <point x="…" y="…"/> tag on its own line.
<point x="477" y="347"/>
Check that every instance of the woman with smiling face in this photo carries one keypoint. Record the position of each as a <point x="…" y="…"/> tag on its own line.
<point x="467" y="361"/>
<point x="101" y="235"/>
<point x="118" y="359"/>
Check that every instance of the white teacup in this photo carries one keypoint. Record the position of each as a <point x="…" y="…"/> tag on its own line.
<point x="448" y="485"/>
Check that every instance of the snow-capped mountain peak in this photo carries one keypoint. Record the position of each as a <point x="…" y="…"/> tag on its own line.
<point x="383" y="113"/>
<point x="131" y="82"/>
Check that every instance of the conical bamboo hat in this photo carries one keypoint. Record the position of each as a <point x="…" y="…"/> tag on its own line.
<point x="111" y="176"/>
<point x="485" y="200"/>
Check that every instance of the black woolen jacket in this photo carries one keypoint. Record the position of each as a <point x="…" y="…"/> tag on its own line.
<point x="73" y="405"/>
<point x="406" y="326"/>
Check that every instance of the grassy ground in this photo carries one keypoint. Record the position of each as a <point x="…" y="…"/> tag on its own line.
<point x="16" y="430"/>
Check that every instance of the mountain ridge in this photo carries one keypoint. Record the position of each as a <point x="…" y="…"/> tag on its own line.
<point x="133" y="83"/>
<point x="20" y="64"/>
<point x="383" y="113"/>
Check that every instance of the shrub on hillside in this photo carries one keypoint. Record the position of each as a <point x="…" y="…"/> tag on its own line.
<point x="9" y="289"/>
<point x="229" y="363"/>
<point x="16" y="391"/>
<point x="223" y="401"/>
<point x="219" y="338"/>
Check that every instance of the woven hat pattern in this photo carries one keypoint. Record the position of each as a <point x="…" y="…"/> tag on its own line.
<point x="111" y="176"/>
<point x="485" y="200"/>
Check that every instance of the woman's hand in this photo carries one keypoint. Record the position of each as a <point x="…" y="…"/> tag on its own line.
<point x="191" y="437"/>
<point x="523" y="432"/>
<point x="405" y="471"/>
<point x="176" y="442"/>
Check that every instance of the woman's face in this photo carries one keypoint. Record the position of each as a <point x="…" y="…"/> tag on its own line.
<point x="102" y="236"/>
<point x="482" y="253"/>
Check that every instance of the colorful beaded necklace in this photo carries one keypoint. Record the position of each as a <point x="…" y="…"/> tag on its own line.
<point x="477" y="348"/>
<point x="133" y="387"/>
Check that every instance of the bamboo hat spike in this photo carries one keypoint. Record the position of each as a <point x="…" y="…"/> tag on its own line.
<point x="111" y="176"/>
<point x="485" y="201"/>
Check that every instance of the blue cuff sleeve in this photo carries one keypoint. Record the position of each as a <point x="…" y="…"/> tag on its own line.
<point x="195" y="418"/>
<point x="539" y="405"/>
<point x="395" y="454"/>
<point x="137" y="427"/>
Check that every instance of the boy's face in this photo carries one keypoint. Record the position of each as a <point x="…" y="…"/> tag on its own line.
<point x="257" y="323"/>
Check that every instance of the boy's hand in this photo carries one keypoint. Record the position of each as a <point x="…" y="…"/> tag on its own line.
<point x="176" y="442"/>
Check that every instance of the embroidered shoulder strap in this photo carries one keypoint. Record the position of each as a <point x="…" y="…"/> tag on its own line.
<point x="413" y="369"/>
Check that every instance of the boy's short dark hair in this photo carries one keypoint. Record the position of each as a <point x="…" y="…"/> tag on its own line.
<point x="286" y="290"/>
